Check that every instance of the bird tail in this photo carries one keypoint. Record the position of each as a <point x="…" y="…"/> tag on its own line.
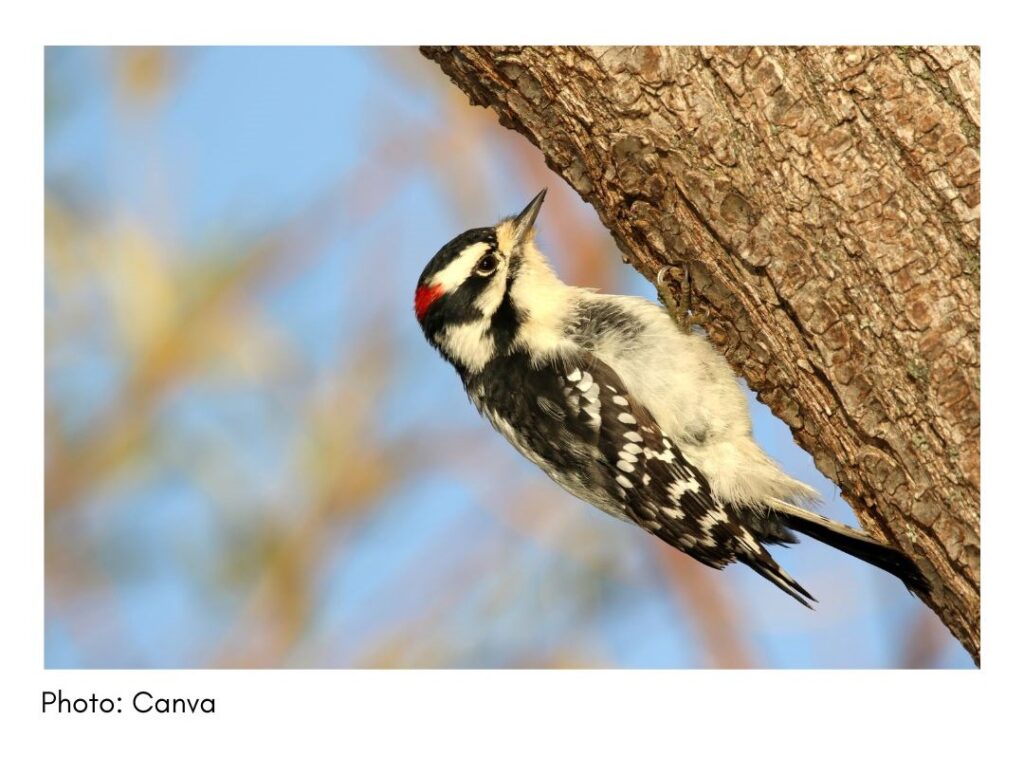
<point x="766" y="566"/>
<point x="852" y="542"/>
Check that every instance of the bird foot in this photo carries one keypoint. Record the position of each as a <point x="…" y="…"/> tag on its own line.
<point x="682" y="311"/>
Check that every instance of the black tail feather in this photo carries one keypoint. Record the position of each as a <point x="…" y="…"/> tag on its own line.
<point x="774" y="574"/>
<point x="854" y="543"/>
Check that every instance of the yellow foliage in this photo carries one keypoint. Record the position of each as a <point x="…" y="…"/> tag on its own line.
<point x="140" y="287"/>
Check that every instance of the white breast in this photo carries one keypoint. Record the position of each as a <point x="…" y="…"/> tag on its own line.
<point x="692" y="392"/>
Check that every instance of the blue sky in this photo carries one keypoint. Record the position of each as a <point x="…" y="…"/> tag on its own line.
<point x="233" y="145"/>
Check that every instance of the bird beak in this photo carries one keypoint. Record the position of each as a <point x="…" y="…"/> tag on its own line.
<point x="522" y="225"/>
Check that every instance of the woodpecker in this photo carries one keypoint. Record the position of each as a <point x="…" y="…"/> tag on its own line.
<point x="619" y="406"/>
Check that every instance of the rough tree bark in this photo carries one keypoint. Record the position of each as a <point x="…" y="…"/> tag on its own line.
<point x="827" y="202"/>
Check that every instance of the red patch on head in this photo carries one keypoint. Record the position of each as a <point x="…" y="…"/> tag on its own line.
<point x="426" y="296"/>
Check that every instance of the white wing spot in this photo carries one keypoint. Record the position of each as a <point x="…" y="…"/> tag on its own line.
<point x="573" y="401"/>
<point x="622" y="401"/>
<point x="623" y="480"/>
<point x="625" y="466"/>
<point x="627" y="456"/>
<point x="679" y="487"/>
<point x="574" y="376"/>
<point x="632" y="436"/>
<point x="665" y="456"/>
<point x="625" y="417"/>
<point x="585" y="382"/>
<point x="712" y="517"/>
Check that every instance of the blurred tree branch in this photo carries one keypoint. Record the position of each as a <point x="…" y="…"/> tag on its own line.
<point x="826" y="201"/>
<point x="710" y="607"/>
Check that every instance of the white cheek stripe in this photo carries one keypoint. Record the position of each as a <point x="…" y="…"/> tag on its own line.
<point x="455" y="274"/>
<point x="468" y="344"/>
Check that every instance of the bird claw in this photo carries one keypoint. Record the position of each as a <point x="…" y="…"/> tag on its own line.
<point x="682" y="311"/>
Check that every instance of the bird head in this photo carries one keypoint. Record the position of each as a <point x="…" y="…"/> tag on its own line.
<point x="466" y="299"/>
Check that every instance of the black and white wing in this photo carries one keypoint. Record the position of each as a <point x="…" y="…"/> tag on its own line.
<point x="575" y="419"/>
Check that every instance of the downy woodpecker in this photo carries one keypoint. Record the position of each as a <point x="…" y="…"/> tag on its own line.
<point x="619" y="406"/>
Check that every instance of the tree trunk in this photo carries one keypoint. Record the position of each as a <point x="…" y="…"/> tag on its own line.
<point x="827" y="202"/>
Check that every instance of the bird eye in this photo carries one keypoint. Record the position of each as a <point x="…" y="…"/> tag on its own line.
<point x="486" y="265"/>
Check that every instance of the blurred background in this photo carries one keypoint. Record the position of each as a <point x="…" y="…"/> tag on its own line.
<point x="253" y="458"/>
